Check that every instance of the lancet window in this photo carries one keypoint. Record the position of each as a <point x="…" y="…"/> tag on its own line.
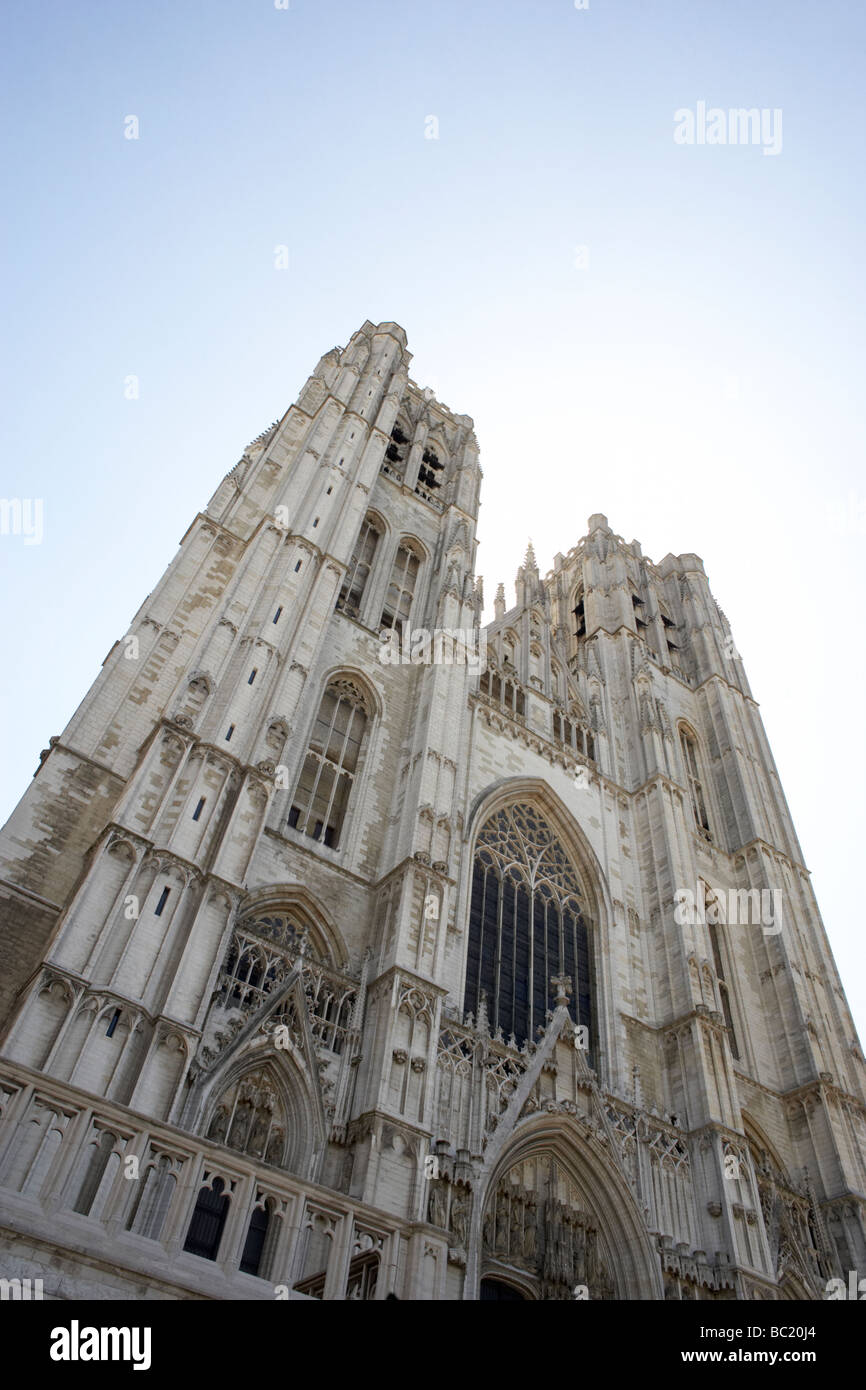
<point x="401" y="589"/>
<point x="695" y="782"/>
<point x="322" y="793"/>
<point x="355" y="582"/>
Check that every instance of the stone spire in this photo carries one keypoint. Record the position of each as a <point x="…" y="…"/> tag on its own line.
<point x="528" y="584"/>
<point x="499" y="602"/>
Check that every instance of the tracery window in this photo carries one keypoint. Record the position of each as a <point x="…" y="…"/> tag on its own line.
<point x="355" y="582"/>
<point x="693" y="777"/>
<point x="262" y="953"/>
<point x="330" y="767"/>
<point x="401" y="589"/>
<point x="526" y="925"/>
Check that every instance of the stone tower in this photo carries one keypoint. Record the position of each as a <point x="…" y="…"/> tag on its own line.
<point x="353" y="949"/>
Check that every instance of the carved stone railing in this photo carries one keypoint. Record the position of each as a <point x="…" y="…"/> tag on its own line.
<point x="86" y="1177"/>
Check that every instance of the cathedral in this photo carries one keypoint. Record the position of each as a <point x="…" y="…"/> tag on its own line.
<point x="354" y="949"/>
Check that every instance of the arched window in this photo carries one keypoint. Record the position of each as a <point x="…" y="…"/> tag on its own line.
<point x="695" y="785"/>
<point x="431" y="467"/>
<point x="526" y="925"/>
<point x="208" y="1220"/>
<point x="395" y="454"/>
<point x="579" y="615"/>
<point x="724" y="994"/>
<point x="401" y="589"/>
<point x="259" y="1243"/>
<point x="322" y="793"/>
<point x="262" y="953"/>
<point x="355" y="582"/>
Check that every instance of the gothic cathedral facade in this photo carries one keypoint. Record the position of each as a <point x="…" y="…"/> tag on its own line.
<point x="355" y="949"/>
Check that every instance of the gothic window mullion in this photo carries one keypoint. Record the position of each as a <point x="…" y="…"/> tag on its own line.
<point x="531" y="983"/>
<point x="231" y="1118"/>
<point x="267" y="1138"/>
<point x="482" y="942"/>
<point x="548" y="963"/>
<point x="497" y="991"/>
<point x="338" y="770"/>
<point x="516" y="919"/>
<point x="569" y="926"/>
<point x="314" y="791"/>
<point x="401" y="586"/>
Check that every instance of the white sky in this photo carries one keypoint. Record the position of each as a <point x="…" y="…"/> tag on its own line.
<point x="699" y="381"/>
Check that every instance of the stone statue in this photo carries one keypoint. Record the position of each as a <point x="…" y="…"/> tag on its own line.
<point x="516" y="1242"/>
<point x="438" y="1207"/>
<point x="489" y="1231"/>
<point x="460" y="1201"/>
<point x="219" y="1125"/>
<point x="502" y="1221"/>
<point x="529" y="1228"/>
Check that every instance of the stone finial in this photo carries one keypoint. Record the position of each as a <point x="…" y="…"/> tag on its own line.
<point x="483" y="1024"/>
<point x="529" y="562"/>
<point x="499" y="601"/>
<point x="562" y="985"/>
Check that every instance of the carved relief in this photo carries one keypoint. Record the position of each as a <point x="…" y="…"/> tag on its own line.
<point x="535" y="1222"/>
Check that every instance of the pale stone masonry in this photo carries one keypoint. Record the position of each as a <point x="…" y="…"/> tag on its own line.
<point x="330" y="976"/>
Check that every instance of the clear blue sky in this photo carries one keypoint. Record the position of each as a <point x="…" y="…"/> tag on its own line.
<point x="700" y="380"/>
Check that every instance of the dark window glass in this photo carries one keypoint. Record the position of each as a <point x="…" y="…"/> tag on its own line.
<point x="255" y="1242"/>
<point x="208" y="1219"/>
<point x="526" y="925"/>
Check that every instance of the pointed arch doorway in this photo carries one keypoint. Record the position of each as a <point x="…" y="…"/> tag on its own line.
<point x="498" y="1291"/>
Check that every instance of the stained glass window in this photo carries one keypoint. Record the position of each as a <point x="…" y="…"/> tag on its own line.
<point x="526" y="924"/>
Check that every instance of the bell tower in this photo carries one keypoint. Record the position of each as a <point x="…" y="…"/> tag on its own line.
<point x="354" y="947"/>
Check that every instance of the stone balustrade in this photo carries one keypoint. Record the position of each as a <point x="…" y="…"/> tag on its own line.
<point x="81" y="1174"/>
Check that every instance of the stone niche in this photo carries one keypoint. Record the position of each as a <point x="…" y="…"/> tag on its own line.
<point x="538" y="1232"/>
